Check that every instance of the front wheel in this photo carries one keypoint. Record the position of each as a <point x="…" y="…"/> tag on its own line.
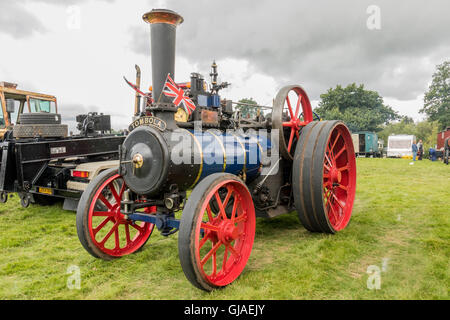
<point x="102" y="229"/>
<point x="216" y="232"/>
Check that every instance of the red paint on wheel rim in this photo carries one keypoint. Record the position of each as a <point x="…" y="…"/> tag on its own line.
<point x="224" y="239"/>
<point x="111" y="232"/>
<point x="296" y="119"/>
<point x="339" y="177"/>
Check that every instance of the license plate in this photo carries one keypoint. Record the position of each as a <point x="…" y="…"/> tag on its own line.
<point x="45" y="190"/>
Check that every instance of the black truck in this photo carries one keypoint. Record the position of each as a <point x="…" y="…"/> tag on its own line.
<point x="40" y="161"/>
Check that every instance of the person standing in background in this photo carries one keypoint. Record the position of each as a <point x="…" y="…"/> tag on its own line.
<point x="414" y="150"/>
<point x="420" y="149"/>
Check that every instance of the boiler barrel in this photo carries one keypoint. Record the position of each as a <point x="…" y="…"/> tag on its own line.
<point x="229" y="152"/>
<point x="153" y="162"/>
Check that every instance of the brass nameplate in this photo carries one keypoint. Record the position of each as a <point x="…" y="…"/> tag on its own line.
<point x="148" y="121"/>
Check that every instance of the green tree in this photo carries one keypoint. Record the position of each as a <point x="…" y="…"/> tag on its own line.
<point x="406" y="119"/>
<point x="360" y="109"/>
<point x="437" y="99"/>
<point x="246" y="110"/>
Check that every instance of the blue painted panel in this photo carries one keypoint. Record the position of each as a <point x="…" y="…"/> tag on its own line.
<point x="231" y="152"/>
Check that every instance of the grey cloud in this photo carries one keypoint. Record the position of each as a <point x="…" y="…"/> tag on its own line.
<point x="67" y="2"/>
<point x="70" y="110"/>
<point x="17" y="21"/>
<point x="318" y="43"/>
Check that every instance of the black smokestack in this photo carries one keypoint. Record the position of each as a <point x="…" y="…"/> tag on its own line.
<point x="163" y="37"/>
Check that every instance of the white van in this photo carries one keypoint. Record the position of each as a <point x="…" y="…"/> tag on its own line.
<point x="400" y="145"/>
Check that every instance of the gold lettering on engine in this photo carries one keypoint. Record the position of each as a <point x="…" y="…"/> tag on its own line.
<point x="148" y="121"/>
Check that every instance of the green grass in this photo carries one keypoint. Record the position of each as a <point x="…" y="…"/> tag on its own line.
<point x="401" y="216"/>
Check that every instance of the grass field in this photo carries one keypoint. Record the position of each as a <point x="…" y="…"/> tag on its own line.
<point x="400" y="228"/>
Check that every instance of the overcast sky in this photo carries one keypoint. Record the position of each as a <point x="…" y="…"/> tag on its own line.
<point x="79" y="50"/>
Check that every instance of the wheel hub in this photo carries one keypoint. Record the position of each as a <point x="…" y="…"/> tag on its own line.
<point x="118" y="216"/>
<point x="227" y="232"/>
<point x="336" y="175"/>
<point x="138" y="160"/>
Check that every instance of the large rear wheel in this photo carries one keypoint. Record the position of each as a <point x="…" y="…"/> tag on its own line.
<point x="216" y="232"/>
<point x="324" y="176"/>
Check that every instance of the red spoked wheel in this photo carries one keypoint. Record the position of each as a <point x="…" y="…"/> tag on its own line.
<point x="102" y="229"/>
<point x="339" y="177"/>
<point x="291" y="112"/>
<point x="324" y="176"/>
<point x="216" y="232"/>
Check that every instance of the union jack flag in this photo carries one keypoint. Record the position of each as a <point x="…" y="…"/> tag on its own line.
<point x="172" y="90"/>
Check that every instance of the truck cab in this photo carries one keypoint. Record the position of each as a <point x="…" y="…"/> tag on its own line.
<point x="16" y="102"/>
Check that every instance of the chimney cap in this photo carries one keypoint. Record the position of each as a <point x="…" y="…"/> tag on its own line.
<point x="163" y="16"/>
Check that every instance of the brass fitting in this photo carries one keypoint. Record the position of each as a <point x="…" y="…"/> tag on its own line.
<point x="138" y="160"/>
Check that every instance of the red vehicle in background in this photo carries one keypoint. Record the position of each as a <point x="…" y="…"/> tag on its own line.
<point x="443" y="141"/>
<point x="441" y="137"/>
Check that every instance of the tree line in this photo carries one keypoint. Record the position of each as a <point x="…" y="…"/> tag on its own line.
<point x="365" y="110"/>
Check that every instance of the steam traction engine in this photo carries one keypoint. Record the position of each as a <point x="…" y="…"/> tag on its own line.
<point x="235" y="168"/>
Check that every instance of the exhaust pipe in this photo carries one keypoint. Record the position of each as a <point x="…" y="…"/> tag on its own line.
<point x="137" y="100"/>
<point x="163" y="37"/>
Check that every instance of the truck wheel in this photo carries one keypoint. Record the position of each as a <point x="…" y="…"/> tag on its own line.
<point x="107" y="234"/>
<point x="324" y="176"/>
<point x="214" y="246"/>
<point x="25" y="201"/>
<point x="40" y="118"/>
<point x="3" y="197"/>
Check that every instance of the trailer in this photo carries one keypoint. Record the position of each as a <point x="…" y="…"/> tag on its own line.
<point x="400" y="145"/>
<point x="190" y="151"/>
<point x="367" y="144"/>
<point x="39" y="160"/>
